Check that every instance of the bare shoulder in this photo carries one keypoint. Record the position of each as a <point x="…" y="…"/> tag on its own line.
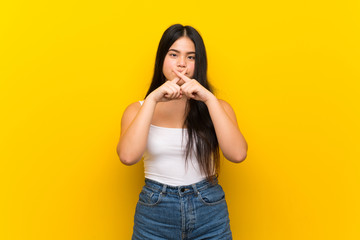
<point x="228" y="109"/>
<point x="133" y="107"/>
<point x="225" y="105"/>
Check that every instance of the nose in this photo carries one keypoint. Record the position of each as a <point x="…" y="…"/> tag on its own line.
<point x="181" y="62"/>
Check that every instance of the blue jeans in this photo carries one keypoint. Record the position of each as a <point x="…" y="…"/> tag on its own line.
<point x="197" y="211"/>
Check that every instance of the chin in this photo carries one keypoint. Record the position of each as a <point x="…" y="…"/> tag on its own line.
<point x="180" y="82"/>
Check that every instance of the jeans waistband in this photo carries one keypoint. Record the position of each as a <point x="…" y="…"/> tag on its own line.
<point x="180" y="190"/>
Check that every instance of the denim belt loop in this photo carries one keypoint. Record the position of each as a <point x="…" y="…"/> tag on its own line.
<point x="195" y="189"/>
<point x="163" y="191"/>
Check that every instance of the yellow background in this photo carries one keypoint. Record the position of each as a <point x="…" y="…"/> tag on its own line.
<point x="290" y="69"/>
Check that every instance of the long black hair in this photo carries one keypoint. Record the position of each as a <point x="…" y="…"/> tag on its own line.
<point x="201" y="133"/>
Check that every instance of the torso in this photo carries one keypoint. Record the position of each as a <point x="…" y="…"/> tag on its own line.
<point x="164" y="159"/>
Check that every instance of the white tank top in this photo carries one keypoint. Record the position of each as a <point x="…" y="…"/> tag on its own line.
<point x="164" y="157"/>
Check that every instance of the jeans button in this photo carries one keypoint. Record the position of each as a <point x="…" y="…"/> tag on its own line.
<point x="182" y="190"/>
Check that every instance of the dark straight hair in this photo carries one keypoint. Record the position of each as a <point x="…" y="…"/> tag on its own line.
<point x="202" y="138"/>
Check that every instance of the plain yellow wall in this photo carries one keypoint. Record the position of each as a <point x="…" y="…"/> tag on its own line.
<point x="290" y="69"/>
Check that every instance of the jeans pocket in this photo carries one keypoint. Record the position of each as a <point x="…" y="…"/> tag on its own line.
<point x="212" y="195"/>
<point x="149" y="197"/>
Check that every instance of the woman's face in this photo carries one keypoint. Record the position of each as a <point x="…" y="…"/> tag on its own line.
<point x="180" y="56"/>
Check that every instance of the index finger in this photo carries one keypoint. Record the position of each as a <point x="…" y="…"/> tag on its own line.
<point x="175" y="80"/>
<point x="181" y="75"/>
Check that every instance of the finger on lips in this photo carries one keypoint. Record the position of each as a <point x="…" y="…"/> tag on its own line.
<point x="174" y="91"/>
<point x="181" y="75"/>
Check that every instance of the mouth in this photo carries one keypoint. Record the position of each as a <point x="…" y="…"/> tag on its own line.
<point x="181" y="70"/>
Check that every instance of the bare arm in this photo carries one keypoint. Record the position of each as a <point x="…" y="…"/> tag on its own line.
<point x="231" y="141"/>
<point x="135" y="125"/>
<point x="136" y="120"/>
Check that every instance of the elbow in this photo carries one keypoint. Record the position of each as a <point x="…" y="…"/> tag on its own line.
<point x="237" y="154"/>
<point x="242" y="155"/>
<point x="126" y="159"/>
<point x="127" y="156"/>
<point x="240" y="158"/>
<point x="126" y="162"/>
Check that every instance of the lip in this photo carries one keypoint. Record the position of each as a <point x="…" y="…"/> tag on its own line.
<point x="179" y="69"/>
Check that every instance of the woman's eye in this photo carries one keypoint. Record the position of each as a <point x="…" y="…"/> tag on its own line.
<point x="172" y="54"/>
<point x="192" y="57"/>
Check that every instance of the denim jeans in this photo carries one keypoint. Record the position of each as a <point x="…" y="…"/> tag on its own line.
<point x="197" y="211"/>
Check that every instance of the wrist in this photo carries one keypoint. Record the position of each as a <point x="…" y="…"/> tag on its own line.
<point x="150" y="99"/>
<point x="211" y="98"/>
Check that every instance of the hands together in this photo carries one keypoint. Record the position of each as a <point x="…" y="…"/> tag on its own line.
<point x="191" y="88"/>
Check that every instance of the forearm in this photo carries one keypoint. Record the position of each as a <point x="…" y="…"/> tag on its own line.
<point x="133" y="140"/>
<point x="231" y="141"/>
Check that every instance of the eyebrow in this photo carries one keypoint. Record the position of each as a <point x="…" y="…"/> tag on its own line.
<point x="179" y="51"/>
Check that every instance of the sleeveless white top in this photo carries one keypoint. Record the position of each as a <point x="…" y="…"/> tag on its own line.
<point x="164" y="157"/>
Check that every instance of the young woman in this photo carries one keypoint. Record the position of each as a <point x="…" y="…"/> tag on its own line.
<point x="178" y="129"/>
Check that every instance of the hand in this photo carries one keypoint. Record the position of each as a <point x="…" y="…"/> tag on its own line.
<point x="168" y="91"/>
<point x="192" y="88"/>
